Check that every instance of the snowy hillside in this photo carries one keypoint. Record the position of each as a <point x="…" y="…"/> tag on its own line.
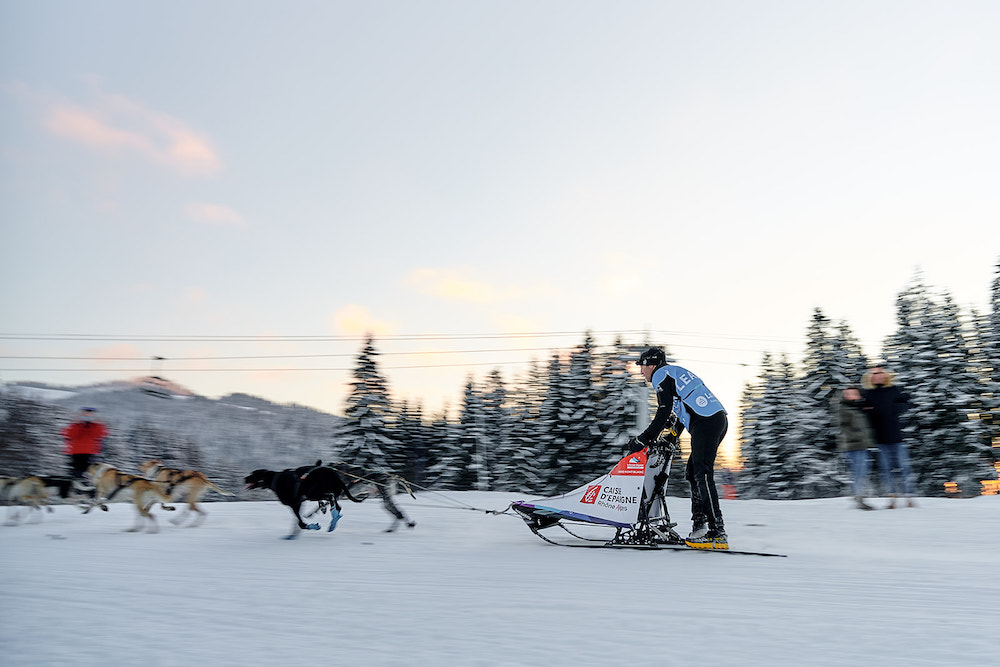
<point x="224" y="437"/>
<point x="902" y="587"/>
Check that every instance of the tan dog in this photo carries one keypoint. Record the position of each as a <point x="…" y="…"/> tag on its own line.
<point x="112" y="485"/>
<point x="182" y="486"/>
<point x="20" y="492"/>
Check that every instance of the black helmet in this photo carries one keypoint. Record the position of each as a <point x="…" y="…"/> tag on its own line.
<point x="654" y="356"/>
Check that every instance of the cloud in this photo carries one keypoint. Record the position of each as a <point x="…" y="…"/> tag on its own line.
<point x="214" y="214"/>
<point x="116" y="125"/>
<point x="618" y="278"/>
<point x="454" y="285"/>
<point x="356" y="320"/>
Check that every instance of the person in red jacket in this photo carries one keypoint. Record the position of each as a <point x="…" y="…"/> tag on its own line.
<point x="84" y="439"/>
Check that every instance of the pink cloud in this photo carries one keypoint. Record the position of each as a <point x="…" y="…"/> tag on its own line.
<point x="216" y="214"/>
<point x="114" y="123"/>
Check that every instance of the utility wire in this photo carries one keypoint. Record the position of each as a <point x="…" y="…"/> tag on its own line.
<point x="388" y="337"/>
<point x="347" y="354"/>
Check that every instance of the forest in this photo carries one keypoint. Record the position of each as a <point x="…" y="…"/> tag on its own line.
<point x="568" y="419"/>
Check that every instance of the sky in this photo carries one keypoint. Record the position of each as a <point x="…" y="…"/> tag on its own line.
<point x="269" y="181"/>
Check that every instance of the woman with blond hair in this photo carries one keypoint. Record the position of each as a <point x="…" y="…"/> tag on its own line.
<point x="885" y="402"/>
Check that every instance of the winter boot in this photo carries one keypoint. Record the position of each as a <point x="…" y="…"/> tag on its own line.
<point x="862" y="505"/>
<point x="714" y="538"/>
<point x="699" y="526"/>
<point x="334" y="518"/>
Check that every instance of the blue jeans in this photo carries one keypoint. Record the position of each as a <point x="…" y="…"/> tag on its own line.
<point x="894" y="469"/>
<point x="858" y="463"/>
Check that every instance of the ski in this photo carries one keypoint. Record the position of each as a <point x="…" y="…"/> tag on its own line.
<point x="663" y="547"/>
<point x="598" y="544"/>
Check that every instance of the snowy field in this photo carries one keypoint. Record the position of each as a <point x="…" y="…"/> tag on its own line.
<point x="903" y="587"/>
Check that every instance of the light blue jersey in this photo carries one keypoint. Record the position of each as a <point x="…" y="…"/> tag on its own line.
<point x="689" y="393"/>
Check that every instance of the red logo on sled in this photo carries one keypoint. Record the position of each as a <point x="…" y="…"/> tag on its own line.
<point x="633" y="464"/>
<point x="590" y="497"/>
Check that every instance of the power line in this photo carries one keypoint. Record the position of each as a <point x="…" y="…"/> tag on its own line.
<point x="345" y="354"/>
<point x="134" y="338"/>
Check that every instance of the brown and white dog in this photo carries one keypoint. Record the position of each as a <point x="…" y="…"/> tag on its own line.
<point x="112" y="485"/>
<point x="21" y="492"/>
<point x="182" y="486"/>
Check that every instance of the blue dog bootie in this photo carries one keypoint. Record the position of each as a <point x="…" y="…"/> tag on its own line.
<point x="334" y="518"/>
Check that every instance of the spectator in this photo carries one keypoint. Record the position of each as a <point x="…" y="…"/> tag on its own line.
<point x="854" y="438"/>
<point x="885" y="402"/>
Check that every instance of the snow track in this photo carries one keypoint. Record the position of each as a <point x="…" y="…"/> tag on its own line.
<point x="901" y="587"/>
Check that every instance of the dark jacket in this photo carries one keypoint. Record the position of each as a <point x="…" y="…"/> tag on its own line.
<point x="884" y="406"/>
<point x="854" y="431"/>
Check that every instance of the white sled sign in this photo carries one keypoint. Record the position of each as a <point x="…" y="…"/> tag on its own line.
<point x="611" y="499"/>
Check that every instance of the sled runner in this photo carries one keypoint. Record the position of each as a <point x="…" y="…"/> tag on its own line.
<point x="631" y="499"/>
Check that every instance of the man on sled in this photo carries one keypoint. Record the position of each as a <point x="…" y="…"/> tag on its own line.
<point x="683" y="401"/>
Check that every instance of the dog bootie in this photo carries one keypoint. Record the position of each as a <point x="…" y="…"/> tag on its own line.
<point x="334" y="518"/>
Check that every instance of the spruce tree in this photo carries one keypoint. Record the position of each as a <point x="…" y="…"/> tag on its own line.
<point x="411" y="434"/>
<point x="364" y="436"/>
<point x="619" y="393"/>
<point x="584" y="447"/>
<point x="449" y="460"/>
<point x="554" y="412"/>
<point x="826" y="371"/>
<point x="936" y="367"/>
<point x="477" y="435"/>
<point x="780" y="463"/>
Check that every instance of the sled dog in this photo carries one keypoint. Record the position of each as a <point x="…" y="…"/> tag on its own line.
<point x="112" y="485"/>
<point x="364" y="481"/>
<point x="181" y="486"/>
<point x="295" y="486"/>
<point x="23" y="493"/>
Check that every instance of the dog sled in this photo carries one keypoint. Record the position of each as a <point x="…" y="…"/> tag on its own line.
<point x="630" y="500"/>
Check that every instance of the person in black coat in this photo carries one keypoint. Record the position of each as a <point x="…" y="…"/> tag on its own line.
<point x="884" y="403"/>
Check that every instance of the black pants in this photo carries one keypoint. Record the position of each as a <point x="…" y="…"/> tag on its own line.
<point x="706" y="436"/>
<point x="79" y="464"/>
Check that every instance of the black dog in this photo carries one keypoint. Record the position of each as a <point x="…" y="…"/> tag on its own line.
<point x="355" y="477"/>
<point x="293" y="487"/>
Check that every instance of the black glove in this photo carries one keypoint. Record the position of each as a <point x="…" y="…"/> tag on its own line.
<point x="635" y="445"/>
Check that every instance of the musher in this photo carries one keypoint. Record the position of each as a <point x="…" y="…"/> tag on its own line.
<point x="680" y="392"/>
<point x="84" y="439"/>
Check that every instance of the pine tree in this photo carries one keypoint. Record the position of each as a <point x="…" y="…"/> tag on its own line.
<point x="503" y="449"/>
<point x="557" y="467"/>
<point x="412" y="434"/>
<point x="449" y="460"/>
<point x="457" y="465"/>
<point x="931" y="353"/>
<point x="780" y="463"/>
<point x="988" y="366"/>
<point x="477" y="436"/>
<point x="826" y="372"/>
<point x="584" y="440"/>
<point x="364" y="437"/>
<point x="618" y="403"/>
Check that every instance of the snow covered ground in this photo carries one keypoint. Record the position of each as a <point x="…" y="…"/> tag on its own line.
<point x="903" y="587"/>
